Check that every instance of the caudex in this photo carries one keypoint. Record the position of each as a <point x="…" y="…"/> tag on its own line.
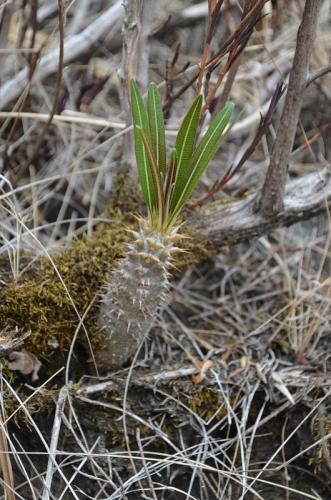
<point x="138" y="285"/>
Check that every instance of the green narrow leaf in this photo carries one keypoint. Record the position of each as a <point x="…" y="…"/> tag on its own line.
<point x="156" y="126"/>
<point x="185" y="142"/>
<point x="187" y="131"/>
<point x="156" y="178"/>
<point x="170" y="179"/>
<point x="140" y="120"/>
<point x="201" y="157"/>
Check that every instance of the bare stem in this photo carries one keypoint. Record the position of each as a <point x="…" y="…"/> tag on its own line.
<point x="232" y="223"/>
<point x="274" y="187"/>
<point x="318" y="74"/>
<point x="135" y="53"/>
<point x="135" y="59"/>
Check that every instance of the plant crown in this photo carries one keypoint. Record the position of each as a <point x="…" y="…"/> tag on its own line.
<point x="167" y="189"/>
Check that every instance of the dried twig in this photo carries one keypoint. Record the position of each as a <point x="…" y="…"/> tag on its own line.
<point x="228" y="85"/>
<point x="231" y="223"/>
<point x="135" y="52"/>
<point x="33" y="56"/>
<point x="318" y="74"/>
<point x="233" y="46"/>
<point x="180" y="92"/>
<point x="135" y="59"/>
<point x="214" y="7"/>
<point x="54" y="442"/>
<point x="59" y="74"/>
<point x="5" y="17"/>
<point x="265" y="121"/>
<point x="5" y="462"/>
<point x="274" y="187"/>
<point x="74" y="47"/>
<point x="159" y="377"/>
<point x="170" y="75"/>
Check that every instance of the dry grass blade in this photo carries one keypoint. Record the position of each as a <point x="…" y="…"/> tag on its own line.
<point x="6" y="466"/>
<point x="59" y="75"/>
<point x="54" y="442"/>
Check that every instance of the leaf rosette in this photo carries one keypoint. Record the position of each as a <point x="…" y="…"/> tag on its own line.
<point x="167" y="187"/>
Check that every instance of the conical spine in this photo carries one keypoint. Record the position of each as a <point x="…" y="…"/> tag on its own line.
<point x="137" y="288"/>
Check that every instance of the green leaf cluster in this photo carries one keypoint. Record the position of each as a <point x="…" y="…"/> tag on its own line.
<point x="167" y="189"/>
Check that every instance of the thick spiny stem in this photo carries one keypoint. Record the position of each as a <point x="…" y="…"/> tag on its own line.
<point x="137" y="287"/>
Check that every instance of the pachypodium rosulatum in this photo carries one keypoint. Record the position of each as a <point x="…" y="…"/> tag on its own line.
<point x="139" y="284"/>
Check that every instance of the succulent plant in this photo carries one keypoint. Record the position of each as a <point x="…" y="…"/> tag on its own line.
<point x="139" y="284"/>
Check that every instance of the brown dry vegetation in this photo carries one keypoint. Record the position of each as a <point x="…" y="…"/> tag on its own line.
<point x="229" y="397"/>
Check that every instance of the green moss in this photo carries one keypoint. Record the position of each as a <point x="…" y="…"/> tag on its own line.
<point x="41" y="401"/>
<point x="320" y="456"/>
<point x="52" y="295"/>
<point x="221" y="202"/>
<point x="45" y="304"/>
<point x="206" y="403"/>
<point x="194" y="252"/>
